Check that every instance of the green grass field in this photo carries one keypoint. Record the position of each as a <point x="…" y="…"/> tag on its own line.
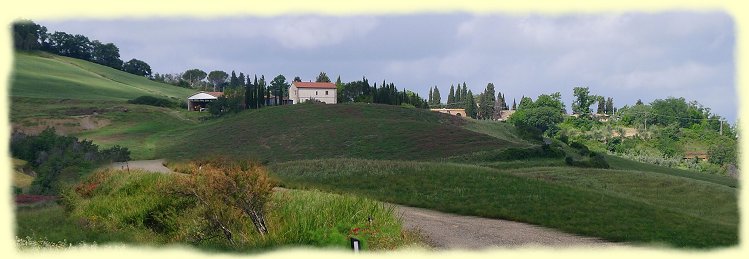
<point x="43" y="75"/>
<point x="358" y="130"/>
<point x="626" y="206"/>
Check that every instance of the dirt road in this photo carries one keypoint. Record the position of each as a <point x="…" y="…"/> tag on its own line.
<point x="446" y="231"/>
<point x="451" y="231"/>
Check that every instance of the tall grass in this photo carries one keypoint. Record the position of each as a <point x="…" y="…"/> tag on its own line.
<point x="138" y="203"/>
<point x="603" y="206"/>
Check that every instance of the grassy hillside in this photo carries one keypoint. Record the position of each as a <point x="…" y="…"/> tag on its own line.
<point x="329" y="131"/>
<point x="44" y="75"/>
<point x="629" y="206"/>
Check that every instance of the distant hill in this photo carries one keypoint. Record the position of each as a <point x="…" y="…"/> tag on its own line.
<point x="357" y="130"/>
<point x="44" y="75"/>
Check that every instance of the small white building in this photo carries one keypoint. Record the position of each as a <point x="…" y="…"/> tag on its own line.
<point x="200" y="100"/>
<point x="302" y="91"/>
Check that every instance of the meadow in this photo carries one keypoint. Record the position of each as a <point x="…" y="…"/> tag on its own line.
<point x="625" y="206"/>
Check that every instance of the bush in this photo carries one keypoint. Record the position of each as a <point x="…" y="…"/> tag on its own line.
<point x="153" y="101"/>
<point x="57" y="159"/>
<point x="595" y="160"/>
<point x="226" y="189"/>
<point x="581" y="148"/>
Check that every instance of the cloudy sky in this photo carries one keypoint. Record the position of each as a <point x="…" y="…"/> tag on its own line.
<point x="627" y="56"/>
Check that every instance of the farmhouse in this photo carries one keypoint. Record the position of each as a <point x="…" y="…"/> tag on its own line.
<point x="456" y="112"/>
<point x="200" y="100"/>
<point x="303" y="91"/>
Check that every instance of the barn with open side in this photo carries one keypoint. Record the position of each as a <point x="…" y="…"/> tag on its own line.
<point x="200" y="100"/>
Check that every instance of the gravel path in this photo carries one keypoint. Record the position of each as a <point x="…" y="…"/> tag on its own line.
<point x="148" y="165"/>
<point x="451" y="231"/>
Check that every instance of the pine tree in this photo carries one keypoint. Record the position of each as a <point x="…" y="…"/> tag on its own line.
<point x="514" y="105"/>
<point x="451" y="97"/>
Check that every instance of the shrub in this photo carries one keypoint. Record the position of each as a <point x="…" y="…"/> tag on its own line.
<point x="313" y="101"/>
<point x="582" y="149"/>
<point x="153" y="101"/>
<point x="595" y="160"/>
<point x="225" y="189"/>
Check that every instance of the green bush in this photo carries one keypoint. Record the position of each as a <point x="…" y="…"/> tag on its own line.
<point x="153" y="101"/>
<point x="595" y="160"/>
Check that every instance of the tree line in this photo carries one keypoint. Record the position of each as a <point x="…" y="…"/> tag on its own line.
<point x="242" y="92"/>
<point x="29" y="36"/>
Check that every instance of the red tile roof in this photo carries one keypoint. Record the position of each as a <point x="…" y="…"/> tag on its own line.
<point x="314" y="85"/>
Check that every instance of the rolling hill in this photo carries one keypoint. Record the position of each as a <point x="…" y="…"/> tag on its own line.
<point x="357" y="130"/>
<point x="44" y="75"/>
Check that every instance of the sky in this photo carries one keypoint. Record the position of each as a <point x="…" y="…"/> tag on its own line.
<point x="626" y="56"/>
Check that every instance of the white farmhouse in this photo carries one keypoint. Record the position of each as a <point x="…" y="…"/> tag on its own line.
<point x="302" y="91"/>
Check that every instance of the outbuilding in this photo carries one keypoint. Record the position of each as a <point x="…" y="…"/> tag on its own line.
<point x="200" y="100"/>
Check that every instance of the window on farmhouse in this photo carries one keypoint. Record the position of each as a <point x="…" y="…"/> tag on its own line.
<point x="315" y="92"/>
<point x="326" y="92"/>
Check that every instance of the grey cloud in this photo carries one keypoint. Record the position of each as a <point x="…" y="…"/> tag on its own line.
<point x="628" y="56"/>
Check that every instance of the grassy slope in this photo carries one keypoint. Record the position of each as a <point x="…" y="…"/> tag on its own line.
<point x="79" y="88"/>
<point x="626" y="164"/>
<point x="43" y="75"/>
<point x="617" y="205"/>
<point x="330" y="131"/>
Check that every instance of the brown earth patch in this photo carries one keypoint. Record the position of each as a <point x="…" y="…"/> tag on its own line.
<point x="65" y="126"/>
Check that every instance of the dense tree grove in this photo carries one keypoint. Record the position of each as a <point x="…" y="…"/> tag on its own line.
<point x="54" y="157"/>
<point x="29" y="36"/>
<point x="543" y="115"/>
<point x="137" y="67"/>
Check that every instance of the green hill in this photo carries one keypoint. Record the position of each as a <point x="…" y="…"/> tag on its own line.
<point x="358" y="130"/>
<point x="44" y="75"/>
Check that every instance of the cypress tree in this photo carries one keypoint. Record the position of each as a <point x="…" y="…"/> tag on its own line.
<point x="601" y="105"/>
<point x="514" y="105"/>
<point x="610" y="106"/>
<point x="470" y="105"/>
<point x="464" y="92"/>
<point x="458" y="96"/>
<point x="451" y="97"/>
<point x="430" y="96"/>
<point x="234" y="81"/>
<point x="437" y="99"/>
